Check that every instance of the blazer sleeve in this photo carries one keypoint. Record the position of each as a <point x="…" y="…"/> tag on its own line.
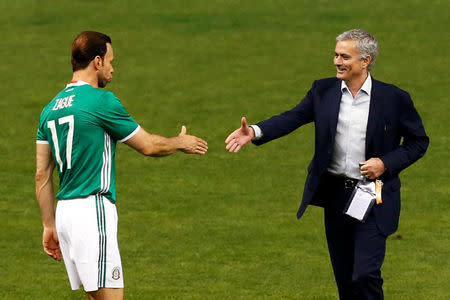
<point x="282" y="124"/>
<point x="415" y="140"/>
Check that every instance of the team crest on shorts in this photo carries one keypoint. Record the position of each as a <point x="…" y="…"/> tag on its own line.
<point x="116" y="273"/>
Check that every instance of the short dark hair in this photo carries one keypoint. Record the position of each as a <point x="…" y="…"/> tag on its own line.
<point x="86" y="46"/>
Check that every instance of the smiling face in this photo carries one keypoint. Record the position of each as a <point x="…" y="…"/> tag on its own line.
<point x="105" y="71"/>
<point x="348" y="64"/>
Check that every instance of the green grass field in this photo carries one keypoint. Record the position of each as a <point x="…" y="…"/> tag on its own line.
<point x="222" y="226"/>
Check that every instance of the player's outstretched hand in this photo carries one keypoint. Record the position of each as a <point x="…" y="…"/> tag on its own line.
<point x="51" y="243"/>
<point x="192" y="144"/>
<point x="239" y="137"/>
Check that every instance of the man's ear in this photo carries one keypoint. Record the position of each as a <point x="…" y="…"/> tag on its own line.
<point x="366" y="61"/>
<point x="98" y="62"/>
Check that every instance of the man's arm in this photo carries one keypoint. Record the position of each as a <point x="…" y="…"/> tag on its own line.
<point x="415" y="140"/>
<point x="414" y="146"/>
<point x="156" y="145"/>
<point x="45" y="196"/>
<point x="274" y="127"/>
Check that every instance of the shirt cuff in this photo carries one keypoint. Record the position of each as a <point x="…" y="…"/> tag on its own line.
<point x="258" y="132"/>
<point x="130" y="135"/>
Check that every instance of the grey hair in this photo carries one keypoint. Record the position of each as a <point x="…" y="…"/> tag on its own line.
<point x="366" y="43"/>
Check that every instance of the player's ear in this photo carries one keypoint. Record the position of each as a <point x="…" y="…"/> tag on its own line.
<point x="98" y="62"/>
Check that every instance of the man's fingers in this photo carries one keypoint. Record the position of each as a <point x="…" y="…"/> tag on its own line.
<point x="233" y="147"/>
<point x="237" y="148"/>
<point x="231" y="136"/>
<point x="229" y="144"/>
<point x="235" y="133"/>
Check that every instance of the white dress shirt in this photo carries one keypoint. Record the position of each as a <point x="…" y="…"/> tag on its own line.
<point x="350" y="139"/>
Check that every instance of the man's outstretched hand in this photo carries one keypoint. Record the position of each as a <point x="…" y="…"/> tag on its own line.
<point x="192" y="144"/>
<point x="240" y="137"/>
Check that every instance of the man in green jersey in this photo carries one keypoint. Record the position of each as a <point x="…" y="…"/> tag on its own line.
<point x="77" y="134"/>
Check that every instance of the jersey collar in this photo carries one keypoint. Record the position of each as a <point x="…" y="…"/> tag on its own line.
<point x="76" y="83"/>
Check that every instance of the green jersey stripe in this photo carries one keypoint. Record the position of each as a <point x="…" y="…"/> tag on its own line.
<point x="106" y="168"/>
<point x="101" y="223"/>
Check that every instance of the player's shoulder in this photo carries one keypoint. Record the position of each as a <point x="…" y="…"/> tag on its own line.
<point x="106" y="95"/>
<point x="94" y="92"/>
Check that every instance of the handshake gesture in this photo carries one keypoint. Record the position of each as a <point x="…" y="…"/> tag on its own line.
<point x="239" y="137"/>
<point x="192" y="144"/>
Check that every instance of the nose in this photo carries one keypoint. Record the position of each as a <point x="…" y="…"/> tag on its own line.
<point x="337" y="60"/>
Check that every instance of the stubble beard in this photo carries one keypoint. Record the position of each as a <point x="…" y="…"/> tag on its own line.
<point x="102" y="81"/>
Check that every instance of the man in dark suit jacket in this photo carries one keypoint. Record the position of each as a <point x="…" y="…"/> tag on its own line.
<point x="358" y="121"/>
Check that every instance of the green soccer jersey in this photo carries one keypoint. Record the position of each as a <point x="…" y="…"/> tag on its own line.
<point x="82" y="125"/>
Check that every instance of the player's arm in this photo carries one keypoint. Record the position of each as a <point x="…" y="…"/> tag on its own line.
<point x="156" y="145"/>
<point x="45" y="196"/>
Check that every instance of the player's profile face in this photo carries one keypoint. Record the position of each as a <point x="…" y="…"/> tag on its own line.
<point x="105" y="73"/>
<point x="347" y="61"/>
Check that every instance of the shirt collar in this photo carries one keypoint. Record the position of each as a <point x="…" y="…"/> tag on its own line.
<point x="366" y="87"/>
<point x="76" y="83"/>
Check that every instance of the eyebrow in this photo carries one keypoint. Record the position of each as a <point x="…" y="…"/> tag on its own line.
<point x="343" y="54"/>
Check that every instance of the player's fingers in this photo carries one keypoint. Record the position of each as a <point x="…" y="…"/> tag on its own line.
<point x="50" y="252"/>
<point x="202" y="149"/>
<point x="58" y="257"/>
<point x="198" y="151"/>
<point x="204" y="146"/>
<point x="237" y="148"/>
<point x="202" y="141"/>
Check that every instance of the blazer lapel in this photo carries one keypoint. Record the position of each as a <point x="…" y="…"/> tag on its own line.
<point x="334" y="102"/>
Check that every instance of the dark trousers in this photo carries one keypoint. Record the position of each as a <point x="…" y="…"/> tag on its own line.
<point x="356" y="249"/>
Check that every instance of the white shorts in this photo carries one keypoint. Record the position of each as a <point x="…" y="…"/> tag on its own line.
<point x="87" y="232"/>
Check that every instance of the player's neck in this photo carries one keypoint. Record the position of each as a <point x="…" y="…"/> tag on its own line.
<point x="86" y="75"/>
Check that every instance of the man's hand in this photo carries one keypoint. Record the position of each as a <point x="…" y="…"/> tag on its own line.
<point x="239" y="137"/>
<point x="373" y="168"/>
<point x="192" y="144"/>
<point x="51" y="243"/>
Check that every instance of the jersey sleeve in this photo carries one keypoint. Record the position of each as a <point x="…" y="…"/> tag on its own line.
<point x="115" y="119"/>
<point x="41" y="136"/>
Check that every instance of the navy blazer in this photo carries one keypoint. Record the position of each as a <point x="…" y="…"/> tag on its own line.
<point x="392" y="117"/>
